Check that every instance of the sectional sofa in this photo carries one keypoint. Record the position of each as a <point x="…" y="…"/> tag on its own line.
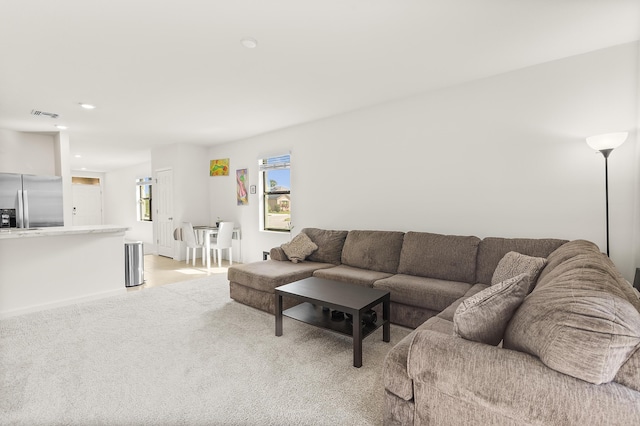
<point x="507" y="331"/>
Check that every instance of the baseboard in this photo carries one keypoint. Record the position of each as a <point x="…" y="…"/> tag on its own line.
<point x="60" y="303"/>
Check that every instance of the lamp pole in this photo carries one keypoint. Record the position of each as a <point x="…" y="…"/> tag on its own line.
<point x="605" y="153"/>
<point x="604" y="144"/>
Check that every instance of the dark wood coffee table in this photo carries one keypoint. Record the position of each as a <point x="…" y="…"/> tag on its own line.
<point x="348" y="298"/>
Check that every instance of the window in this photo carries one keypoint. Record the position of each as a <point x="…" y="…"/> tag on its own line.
<point x="275" y="179"/>
<point x="143" y="197"/>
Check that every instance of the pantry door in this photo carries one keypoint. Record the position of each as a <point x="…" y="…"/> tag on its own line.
<point x="163" y="197"/>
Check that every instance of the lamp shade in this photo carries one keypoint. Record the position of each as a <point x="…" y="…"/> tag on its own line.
<point x="607" y="140"/>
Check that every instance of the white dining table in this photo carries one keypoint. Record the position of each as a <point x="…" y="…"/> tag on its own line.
<point x="204" y="234"/>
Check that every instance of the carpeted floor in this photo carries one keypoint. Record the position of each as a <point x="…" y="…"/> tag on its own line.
<point x="183" y="354"/>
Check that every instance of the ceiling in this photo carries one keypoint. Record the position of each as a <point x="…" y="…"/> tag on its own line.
<point x="165" y="72"/>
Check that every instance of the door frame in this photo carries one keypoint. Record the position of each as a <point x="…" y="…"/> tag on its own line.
<point x="159" y="192"/>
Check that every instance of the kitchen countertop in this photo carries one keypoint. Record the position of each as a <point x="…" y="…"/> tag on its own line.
<point x="59" y="230"/>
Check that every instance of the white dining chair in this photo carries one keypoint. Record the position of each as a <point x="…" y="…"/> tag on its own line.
<point x="189" y="237"/>
<point x="223" y="241"/>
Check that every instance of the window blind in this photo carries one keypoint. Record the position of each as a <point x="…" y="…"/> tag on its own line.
<point x="277" y="162"/>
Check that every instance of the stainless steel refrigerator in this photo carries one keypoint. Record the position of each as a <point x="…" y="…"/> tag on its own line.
<point x="29" y="201"/>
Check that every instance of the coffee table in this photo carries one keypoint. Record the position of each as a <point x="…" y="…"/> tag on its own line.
<point x="348" y="298"/>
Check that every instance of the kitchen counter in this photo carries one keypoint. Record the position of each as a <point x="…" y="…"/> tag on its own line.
<point x="47" y="267"/>
<point x="7" y="233"/>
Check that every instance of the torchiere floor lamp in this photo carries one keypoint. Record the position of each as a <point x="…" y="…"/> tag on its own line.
<point x="605" y="144"/>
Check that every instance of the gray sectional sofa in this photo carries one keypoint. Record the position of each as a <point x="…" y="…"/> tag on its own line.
<point x="569" y="350"/>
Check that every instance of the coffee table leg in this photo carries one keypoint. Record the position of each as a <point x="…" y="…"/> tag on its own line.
<point x="386" y="313"/>
<point x="278" y="314"/>
<point x="357" y="339"/>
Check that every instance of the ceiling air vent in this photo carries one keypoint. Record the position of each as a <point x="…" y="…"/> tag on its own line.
<point x="47" y="114"/>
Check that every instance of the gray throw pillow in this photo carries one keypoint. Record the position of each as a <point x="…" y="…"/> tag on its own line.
<point x="514" y="263"/>
<point x="484" y="316"/>
<point x="299" y="248"/>
<point x="329" y="244"/>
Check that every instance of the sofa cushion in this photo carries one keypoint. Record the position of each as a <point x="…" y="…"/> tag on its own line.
<point x="514" y="263"/>
<point x="445" y="257"/>
<point x="329" y="244"/>
<point x="410" y="316"/>
<point x="299" y="248"/>
<point x="269" y="274"/>
<point x="349" y="274"/>
<point x="491" y="250"/>
<point x="429" y="293"/>
<point x="484" y="316"/>
<point x="579" y="322"/>
<point x="373" y="250"/>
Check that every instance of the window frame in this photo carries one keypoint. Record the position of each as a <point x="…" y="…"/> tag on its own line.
<point x="144" y="201"/>
<point x="266" y="164"/>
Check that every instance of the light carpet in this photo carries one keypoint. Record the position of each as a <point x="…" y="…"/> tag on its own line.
<point x="183" y="354"/>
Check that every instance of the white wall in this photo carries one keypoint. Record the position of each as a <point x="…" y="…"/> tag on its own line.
<point x="62" y="160"/>
<point x="27" y="153"/>
<point x="120" y="204"/>
<point x="190" y="166"/>
<point x="503" y="156"/>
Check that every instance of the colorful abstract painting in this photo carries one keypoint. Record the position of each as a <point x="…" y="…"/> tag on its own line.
<point x="219" y="167"/>
<point x="242" y="178"/>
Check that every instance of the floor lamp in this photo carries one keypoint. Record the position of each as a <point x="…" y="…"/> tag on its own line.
<point x="605" y="144"/>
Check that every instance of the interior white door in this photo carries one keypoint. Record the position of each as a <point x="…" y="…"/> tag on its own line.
<point x="87" y="204"/>
<point x="163" y="198"/>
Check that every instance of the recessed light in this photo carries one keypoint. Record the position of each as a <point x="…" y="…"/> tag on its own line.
<point x="87" y="106"/>
<point x="78" y="156"/>
<point x="249" y="43"/>
<point x="83" y="168"/>
<point x="61" y="127"/>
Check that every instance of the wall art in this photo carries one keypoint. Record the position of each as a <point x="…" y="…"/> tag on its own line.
<point x="242" y="178"/>
<point x="219" y="167"/>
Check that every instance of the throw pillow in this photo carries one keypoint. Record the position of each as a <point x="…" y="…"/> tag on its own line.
<point x="299" y="248"/>
<point x="329" y="244"/>
<point x="484" y="316"/>
<point x="514" y="263"/>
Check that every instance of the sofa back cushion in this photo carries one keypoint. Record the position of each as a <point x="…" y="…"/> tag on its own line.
<point x="492" y="250"/>
<point x="570" y="255"/>
<point x="579" y="322"/>
<point x="329" y="244"/>
<point x="445" y="257"/>
<point x="373" y="250"/>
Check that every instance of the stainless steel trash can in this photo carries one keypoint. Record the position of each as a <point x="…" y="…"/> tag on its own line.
<point x="133" y="263"/>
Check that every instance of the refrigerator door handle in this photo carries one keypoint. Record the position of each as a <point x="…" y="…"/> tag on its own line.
<point x="26" y="209"/>
<point x="19" y="214"/>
